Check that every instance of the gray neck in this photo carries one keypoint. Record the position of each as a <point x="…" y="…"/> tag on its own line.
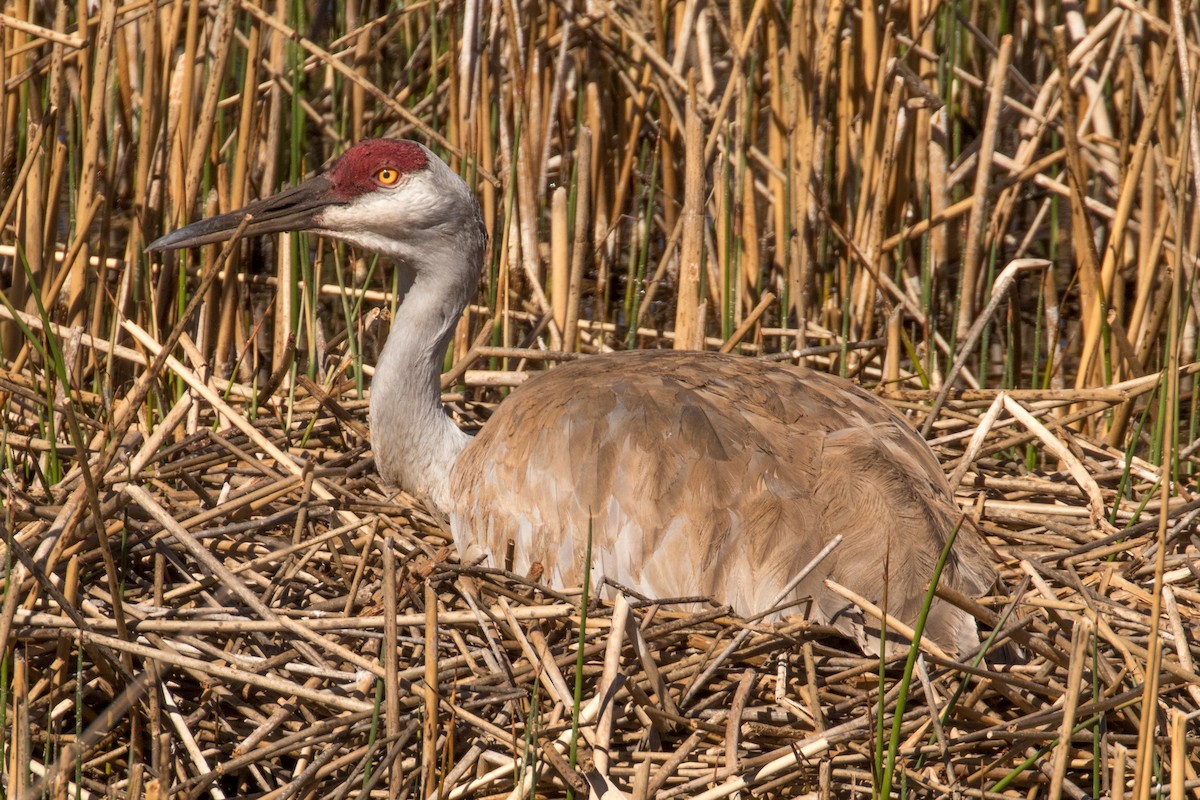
<point x="415" y="443"/>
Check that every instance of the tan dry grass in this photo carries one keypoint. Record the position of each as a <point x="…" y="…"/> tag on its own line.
<point x="273" y="633"/>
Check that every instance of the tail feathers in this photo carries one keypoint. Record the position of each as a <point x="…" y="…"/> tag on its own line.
<point x="954" y="631"/>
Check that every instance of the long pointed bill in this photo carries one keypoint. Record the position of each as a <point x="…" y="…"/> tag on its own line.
<point x="292" y="209"/>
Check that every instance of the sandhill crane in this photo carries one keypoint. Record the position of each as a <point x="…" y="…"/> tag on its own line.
<point x="697" y="474"/>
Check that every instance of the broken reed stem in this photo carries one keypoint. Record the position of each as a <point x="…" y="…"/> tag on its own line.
<point x="979" y="204"/>
<point x="1081" y="637"/>
<point x="429" y="764"/>
<point x="689" y="309"/>
<point x="579" y="255"/>
<point x="391" y="667"/>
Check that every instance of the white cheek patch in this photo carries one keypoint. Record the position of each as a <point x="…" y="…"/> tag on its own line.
<point x="412" y="205"/>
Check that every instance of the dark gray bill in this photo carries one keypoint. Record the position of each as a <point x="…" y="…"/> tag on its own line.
<point x="291" y="210"/>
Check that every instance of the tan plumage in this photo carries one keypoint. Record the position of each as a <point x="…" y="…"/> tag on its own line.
<point x="719" y="476"/>
<point x="697" y="473"/>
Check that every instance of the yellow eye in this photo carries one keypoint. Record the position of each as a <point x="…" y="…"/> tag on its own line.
<point x="387" y="176"/>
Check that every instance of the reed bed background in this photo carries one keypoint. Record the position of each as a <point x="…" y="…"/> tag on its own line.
<point x="986" y="212"/>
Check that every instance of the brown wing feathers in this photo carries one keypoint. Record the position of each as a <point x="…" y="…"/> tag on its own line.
<point x="716" y="476"/>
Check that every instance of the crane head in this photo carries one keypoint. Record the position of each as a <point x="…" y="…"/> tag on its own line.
<point x="384" y="195"/>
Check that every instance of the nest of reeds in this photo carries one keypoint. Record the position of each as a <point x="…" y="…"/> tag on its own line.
<point x="206" y="593"/>
<point x="255" y="616"/>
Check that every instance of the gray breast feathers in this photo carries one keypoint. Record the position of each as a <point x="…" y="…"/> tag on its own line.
<point x="711" y="475"/>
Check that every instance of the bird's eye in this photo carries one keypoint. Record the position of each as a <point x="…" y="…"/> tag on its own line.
<point x="387" y="177"/>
